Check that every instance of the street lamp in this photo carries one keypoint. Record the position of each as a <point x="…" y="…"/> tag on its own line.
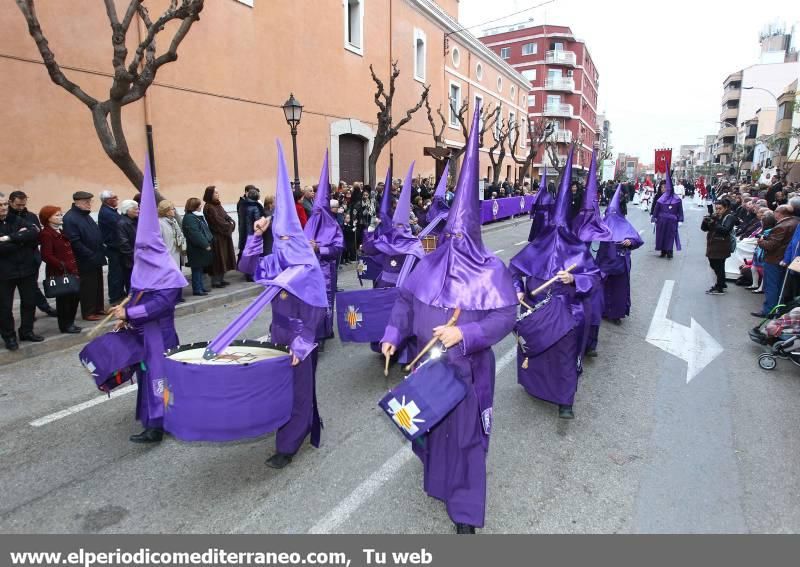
<point x="293" y="110"/>
<point x="765" y="90"/>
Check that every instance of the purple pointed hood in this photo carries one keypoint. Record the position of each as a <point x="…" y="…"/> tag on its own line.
<point x="386" y="204"/>
<point x="461" y="272"/>
<point x="558" y="248"/>
<point x="396" y="238"/>
<point x="153" y="267"/>
<point x="439" y="203"/>
<point x="322" y="226"/>
<point x="669" y="198"/>
<point x="588" y="224"/>
<point x="620" y="228"/>
<point x="542" y="211"/>
<point x="292" y="266"/>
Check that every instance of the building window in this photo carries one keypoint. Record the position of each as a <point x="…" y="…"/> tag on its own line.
<point x="505" y="52"/>
<point x="455" y="104"/>
<point x="511" y="133"/>
<point x="530" y="74"/>
<point x="513" y="92"/>
<point x="529" y="49"/>
<point x="354" y="26"/>
<point x="456" y="55"/>
<point x="420" y="54"/>
<point x="785" y="111"/>
<point x="499" y="84"/>
<point x="479" y="71"/>
<point x="531" y="101"/>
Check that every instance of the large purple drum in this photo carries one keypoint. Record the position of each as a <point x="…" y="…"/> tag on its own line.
<point x="244" y="392"/>
<point x="112" y="359"/>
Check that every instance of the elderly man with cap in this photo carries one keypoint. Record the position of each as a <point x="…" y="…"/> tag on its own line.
<point x="107" y="218"/>
<point x="87" y="244"/>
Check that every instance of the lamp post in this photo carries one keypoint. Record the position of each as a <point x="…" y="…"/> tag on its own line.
<point x="293" y="110"/>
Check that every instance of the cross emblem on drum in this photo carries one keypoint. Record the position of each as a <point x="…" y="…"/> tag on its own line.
<point x="495" y="208"/>
<point x="405" y="415"/>
<point x="361" y="267"/>
<point x="354" y="317"/>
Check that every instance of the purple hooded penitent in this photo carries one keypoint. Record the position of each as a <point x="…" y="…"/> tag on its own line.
<point x="669" y="197"/>
<point x="323" y="230"/>
<point x="614" y="261"/>
<point x="153" y="267"/>
<point x="396" y="238"/>
<point x="587" y="224"/>
<point x="386" y="205"/>
<point x="542" y="210"/>
<point x="461" y="272"/>
<point x="667" y="213"/>
<point x="439" y="203"/>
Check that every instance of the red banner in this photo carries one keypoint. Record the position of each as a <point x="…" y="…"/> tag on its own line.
<point x="663" y="160"/>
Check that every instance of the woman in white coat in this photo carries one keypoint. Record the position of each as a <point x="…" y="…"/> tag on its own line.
<point x="171" y="232"/>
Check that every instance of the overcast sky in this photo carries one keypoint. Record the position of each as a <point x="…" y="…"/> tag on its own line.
<point x="660" y="73"/>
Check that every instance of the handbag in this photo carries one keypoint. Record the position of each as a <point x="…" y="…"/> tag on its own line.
<point x="59" y="286"/>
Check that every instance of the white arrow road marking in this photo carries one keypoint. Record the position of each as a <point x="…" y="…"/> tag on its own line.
<point x="498" y="251"/>
<point x="347" y="507"/>
<point x="80" y="407"/>
<point x="520" y="243"/>
<point x="692" y="344"/>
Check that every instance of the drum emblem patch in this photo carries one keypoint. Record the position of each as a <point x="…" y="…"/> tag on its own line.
<point x="405" y="414"/>
<point x="354" y="317"/>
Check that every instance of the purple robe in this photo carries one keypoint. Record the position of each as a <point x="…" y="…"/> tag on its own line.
<point x="453" y="453"/>
<point x="329" y="264"/>
<point x="553" y="374"/>
<point x="615" y="264"/>
<point x="152" y="319"/>
<point x="294" y="324"/>
<point x="667" y="216"/>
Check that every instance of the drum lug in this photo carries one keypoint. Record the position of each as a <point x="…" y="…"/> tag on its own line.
<point x="525" y="363"/>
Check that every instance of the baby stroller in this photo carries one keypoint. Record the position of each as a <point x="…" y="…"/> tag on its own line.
<point x="782" y="338"/>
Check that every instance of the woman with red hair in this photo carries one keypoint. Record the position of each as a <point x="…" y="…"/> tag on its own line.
<point x="59" y="260"/>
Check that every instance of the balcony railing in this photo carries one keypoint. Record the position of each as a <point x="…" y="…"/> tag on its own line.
<point x="558" y="110"/>
<point x="559" y="84"/>
<point x="724" y="149"/>
<point x="731" y="94"/>
<point x="728" y="131"/>
<point x="560" y="57"/>
<point x="729" y="114"/>
<point x="561" y="137"/>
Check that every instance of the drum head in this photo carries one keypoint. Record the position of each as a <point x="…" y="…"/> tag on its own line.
<point x="240" y="353"/>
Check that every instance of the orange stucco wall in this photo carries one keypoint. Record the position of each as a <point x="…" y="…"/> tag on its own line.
<point x="216" y="111"/>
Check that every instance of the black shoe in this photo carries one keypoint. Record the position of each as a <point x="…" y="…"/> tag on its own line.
<point x="11" y="343"/>
<point x="759" y="315"/>
<point x="714" y="290"/>
<point x="465" y="529"/>
<point x="617" y="321"/>
<point x="669" y="255"/>
<point x="72" y="330"/>
<point x="200" y="293"/>
<point x="49" y="311"/>
<point x="663" y="255"/>
<point x="279" y="460"/>
<point x="591" y="353"/>
<point x="224" y="284"/>
<point x="565" y="412"/>
<point x="31" y="337"/>
<point x="148" y="436"/>
<point x="217" y="285"/>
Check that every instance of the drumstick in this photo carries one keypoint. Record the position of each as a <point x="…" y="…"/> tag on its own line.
<point x="550" y="282"/>
<point x="429" y="346"/>
<point x="386" y="366"/>
<point x="94" y="331"/>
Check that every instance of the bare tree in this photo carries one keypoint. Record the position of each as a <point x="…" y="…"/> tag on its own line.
<point x="131" y="78"/>
<point x="537" y="132"/>
<point x="500" y="136"/>
<point x="386" y="130"/>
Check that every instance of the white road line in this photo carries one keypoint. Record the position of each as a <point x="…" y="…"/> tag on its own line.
<point x="520" y="243"/>
<point x="641" y="232"/>
<point x="80" y="407"/>
<point x="498" y="251"/>
<point x="364" y="491"/>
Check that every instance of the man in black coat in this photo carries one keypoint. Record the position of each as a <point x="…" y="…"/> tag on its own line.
<point x="18" y="204"/>
<point x="18" y="243"/>
<point x="87" y="245"/>
<point x="127" y="223"/>
<point x="107" y="219"/>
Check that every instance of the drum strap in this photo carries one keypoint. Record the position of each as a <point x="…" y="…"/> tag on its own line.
<point x="316" y="420"/>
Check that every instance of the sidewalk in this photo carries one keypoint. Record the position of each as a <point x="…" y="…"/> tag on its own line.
<point x="238" y="290"/>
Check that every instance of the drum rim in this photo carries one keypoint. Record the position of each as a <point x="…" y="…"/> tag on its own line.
<point x="241" y="342"/>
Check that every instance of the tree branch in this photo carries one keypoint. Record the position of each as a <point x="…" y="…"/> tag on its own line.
<point x="48" y="57"/>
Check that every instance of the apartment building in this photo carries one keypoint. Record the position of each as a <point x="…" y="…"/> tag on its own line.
<point x="563" y="80"/>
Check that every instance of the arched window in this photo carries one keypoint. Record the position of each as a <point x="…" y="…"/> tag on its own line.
<point x="420" y="53"/>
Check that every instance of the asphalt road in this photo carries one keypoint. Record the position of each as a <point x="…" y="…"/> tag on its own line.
<point x="647" y="453"/>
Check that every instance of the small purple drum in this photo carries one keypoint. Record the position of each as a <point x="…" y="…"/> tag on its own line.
<point x="113" y="358"/>
<point x="539" y="329"/>
<point x="424" y="398"/>
<point x="244" y="392"/>
<point x="362" y="314"/>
